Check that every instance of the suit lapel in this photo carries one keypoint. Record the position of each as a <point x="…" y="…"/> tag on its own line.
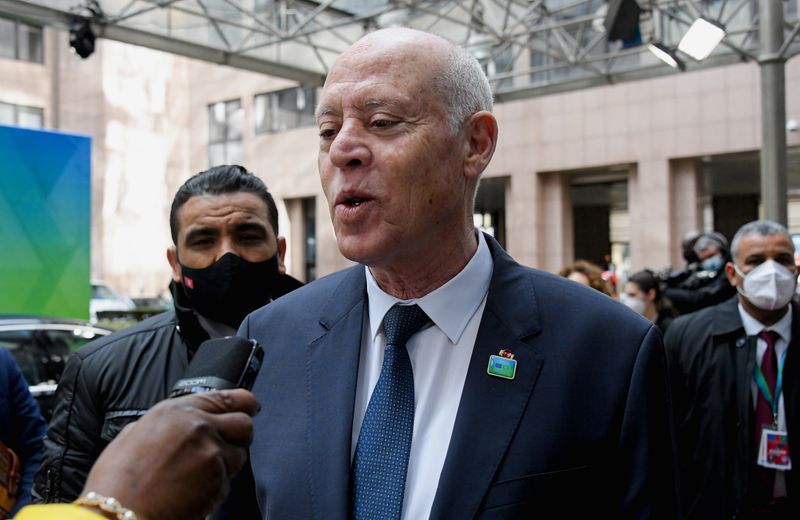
<point x="332" y="373"/>
<point x="489" y="403"/>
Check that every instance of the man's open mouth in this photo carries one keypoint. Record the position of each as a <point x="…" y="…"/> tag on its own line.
<point x="354" y="202"/>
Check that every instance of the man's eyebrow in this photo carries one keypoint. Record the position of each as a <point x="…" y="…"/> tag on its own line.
<point x="324" y="110"/>
<point x="201" y="232"/>
<point x="370" y="104"/>
<point x="754" y="257"/>
<point x="378" y="103"/>
<point x="250" y="226"/>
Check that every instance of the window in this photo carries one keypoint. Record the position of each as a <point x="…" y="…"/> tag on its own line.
<point x="20" y="41"/>
<point x="284" y="109"/>
<point x="18" y="115"/>
<point x="275" y="14"/>
<point x="225" y="122"/>
<point x="502" y="62"/>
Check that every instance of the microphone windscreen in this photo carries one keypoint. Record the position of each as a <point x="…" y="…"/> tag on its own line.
<point x="221" y="363"/>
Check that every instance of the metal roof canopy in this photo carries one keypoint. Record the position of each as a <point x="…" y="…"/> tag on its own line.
<point x="527" y="47"/>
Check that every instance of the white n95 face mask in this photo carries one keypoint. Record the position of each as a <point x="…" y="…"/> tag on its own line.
<point x="633" y="303"/>
<point x="769" y="286"/>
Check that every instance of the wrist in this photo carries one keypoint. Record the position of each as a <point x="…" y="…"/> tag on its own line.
<point x="108" y="507"/>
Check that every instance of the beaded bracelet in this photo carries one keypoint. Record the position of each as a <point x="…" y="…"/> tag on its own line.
<point x="105" y="504"/>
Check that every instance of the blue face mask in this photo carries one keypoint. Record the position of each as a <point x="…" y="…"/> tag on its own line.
<point x="712" y="263"/>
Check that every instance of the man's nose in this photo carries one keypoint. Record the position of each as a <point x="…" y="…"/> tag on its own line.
<point x="226" y="245"/>
<point x="349" y="149"/>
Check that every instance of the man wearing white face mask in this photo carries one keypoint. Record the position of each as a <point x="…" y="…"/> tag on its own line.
<point x="735" y="376"/>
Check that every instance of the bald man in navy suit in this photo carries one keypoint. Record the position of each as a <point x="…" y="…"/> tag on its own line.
<point x="530" y="395"/>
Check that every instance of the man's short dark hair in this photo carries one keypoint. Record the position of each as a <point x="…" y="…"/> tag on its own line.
<point x="761" y="228"/>
<point x="221" y="180"/>
<point x="713" y="239"/>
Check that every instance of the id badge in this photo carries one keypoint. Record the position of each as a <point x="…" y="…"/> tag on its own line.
<point x="773" y="451"/>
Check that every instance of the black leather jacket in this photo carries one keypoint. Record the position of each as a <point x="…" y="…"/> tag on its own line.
<point x="107" y="384"/>
<point x="711" y="362"/>
<point x="111" y="382"/>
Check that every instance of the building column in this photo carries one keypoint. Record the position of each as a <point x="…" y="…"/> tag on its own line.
<point x="329" y="259"/>
<point x="522" y="221"/>
<point x="650" y="211"/>
<point x="686" y="206"/>
<point x="555" y="238"/>
<point x="294" y="234"/>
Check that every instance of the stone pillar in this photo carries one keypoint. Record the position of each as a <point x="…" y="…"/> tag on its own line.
<point x="686" y="207"/>
<point x="650" y="211"/>
<point x="554" y="215"/>
<point x="522" y="220"/>
<point x="294" y="234"/>
<point x="329" y="259"/>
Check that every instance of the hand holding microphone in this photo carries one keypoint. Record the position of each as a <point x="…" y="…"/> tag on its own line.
<point x="176" y="462"/>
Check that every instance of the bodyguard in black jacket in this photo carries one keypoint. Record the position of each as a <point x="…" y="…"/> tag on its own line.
<point x="712" y="362"/>
<point x="106" y="385"/>
<point x="226" y="261"/>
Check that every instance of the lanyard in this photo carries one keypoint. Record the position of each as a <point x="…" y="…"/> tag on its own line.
<point x="761" y="382"/>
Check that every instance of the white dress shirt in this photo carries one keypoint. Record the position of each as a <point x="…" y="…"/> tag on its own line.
<point x="783" y="328"/>
<point x="440" y="355"/>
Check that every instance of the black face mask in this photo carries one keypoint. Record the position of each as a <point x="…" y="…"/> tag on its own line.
<point x="230" y="288"/>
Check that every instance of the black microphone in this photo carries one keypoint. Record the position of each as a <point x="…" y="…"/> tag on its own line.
<point x="219" y="364"/>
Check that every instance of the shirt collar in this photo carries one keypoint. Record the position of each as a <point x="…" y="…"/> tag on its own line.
<point x="783" y="327"/>
<point x="451" y="306"/>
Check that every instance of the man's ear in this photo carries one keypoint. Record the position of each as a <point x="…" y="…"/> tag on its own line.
<point x="172" y="258"/>
<point x="281" y="255"/>
<point x="730" y="272"/>
<point x="481" y="142"/>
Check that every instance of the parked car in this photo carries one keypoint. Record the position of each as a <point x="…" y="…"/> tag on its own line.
<point x="41" y="346"/>
<point x="104" y="298"/>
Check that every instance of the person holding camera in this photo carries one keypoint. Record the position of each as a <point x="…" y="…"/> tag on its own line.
<point x="706" y="284"/>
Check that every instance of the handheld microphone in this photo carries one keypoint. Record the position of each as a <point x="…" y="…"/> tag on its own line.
<point x="220" y="364"/>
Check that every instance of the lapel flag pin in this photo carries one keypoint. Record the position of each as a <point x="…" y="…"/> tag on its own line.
<point x="502" y="365"/>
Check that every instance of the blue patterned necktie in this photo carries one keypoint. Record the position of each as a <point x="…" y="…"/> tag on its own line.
<point x="381" y="459"/>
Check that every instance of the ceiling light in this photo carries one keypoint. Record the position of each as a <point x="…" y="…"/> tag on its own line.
<point x="701" y="39"/>
<point x="667" y="55"/>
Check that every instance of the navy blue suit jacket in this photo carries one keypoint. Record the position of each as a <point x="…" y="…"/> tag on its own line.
<point x="583" y="429"/>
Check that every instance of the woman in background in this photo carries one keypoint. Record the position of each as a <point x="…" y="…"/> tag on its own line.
<point x="643" y="295"/>
<point x="588" y="274"/>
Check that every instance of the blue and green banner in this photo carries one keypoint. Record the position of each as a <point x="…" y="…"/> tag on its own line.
<point x="45" y="207"/>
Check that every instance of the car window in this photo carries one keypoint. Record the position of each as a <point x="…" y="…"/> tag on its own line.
<point x="22" y="346"/>
<point x="41" y="354"/>
<point x="73" y="339"/>
<point x="102" y="292"/>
